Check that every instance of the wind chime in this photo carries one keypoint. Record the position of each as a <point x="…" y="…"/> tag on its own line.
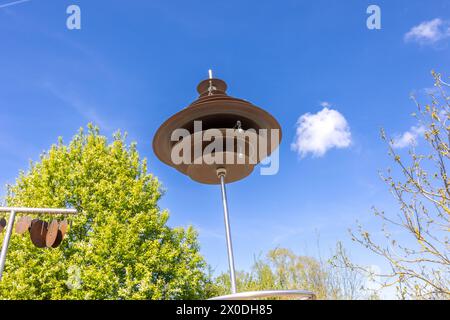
<point x="214" y="109"/>
<point x="43" y="234"/>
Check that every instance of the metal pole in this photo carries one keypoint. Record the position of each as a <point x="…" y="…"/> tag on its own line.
<point x="12" y="216"/>
<point x="221" y="173"/>
<point x="38" y="210"/>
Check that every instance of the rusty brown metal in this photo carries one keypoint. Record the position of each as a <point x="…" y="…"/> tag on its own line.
<point x="59" y="238"/>
<point x="63" y="225"/>
<point x="52" y="233"/>
<point x="216" y="110"/>
<point x="207" y="173"/>
<point x="2" y="224"/>
<point x="23" y="224"/>
<point x="31" y="223"/>
<point x="38" y="233"/>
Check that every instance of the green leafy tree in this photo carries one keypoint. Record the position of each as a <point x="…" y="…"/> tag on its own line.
<point x="281" y="269"/>
<point x="118" y="247"/>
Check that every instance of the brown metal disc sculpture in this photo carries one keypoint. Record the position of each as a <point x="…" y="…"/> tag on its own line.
<point x="38" y="233"/>
<point x="237" y="124"/>
<point x="42" y="235"/>
<point x="216" y="110"/>
<point x="59" y="238"/>
<point x="2" y="224"/>
<point x="23" y="225"/>
<point x="52" y="233"/>
<point x="31" y="223"/>
<point x="63" y="226"/>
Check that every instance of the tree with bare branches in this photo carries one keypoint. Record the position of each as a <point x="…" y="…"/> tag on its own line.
<point x="418" y="251"/>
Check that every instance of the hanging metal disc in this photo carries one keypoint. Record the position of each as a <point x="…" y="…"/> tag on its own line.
<point x="52" y="233"/>
<point x="59" y="238"/>
<point x="2" y="224"/>
<point x="23" y="225"/>
<point x="38" y="233"/>
<point x="32" y="221"/>
<point x="63" y="226"/>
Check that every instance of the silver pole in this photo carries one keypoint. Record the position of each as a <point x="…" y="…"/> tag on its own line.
<point x="38" y="210"/>
<point x="12" y="216"/>
<point x="221" y="173"/>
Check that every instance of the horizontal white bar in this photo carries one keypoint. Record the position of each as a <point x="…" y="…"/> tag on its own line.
<point x="250" y="295"/>
<point x="38" y="210"/>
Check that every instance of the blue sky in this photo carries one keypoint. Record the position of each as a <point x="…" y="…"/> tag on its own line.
<point x="134" y="64"/>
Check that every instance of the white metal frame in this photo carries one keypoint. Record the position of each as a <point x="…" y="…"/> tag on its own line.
<point x="253" y="295"/>
<point x="12" y="216"/>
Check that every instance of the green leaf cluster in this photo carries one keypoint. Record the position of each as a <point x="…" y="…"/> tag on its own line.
<point x="119" y="246"/>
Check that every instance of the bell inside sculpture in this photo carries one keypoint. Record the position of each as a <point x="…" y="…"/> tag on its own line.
<point x="202" y="153"/>
<point x="216" y="131"/>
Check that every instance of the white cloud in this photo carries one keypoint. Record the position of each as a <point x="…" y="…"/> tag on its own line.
<point x="408" y="138"/>
<point x="325" y="104"/>
<point x="319" y="132"/>
<point x="429" y="32"/>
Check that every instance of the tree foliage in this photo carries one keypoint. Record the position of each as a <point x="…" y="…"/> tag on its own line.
<point x="118" y="247"/>
<point x="416" y="244"/>
<point x="281" y="269"/>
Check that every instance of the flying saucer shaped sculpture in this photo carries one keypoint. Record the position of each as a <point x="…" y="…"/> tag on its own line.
<point x="216" y="112"/>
